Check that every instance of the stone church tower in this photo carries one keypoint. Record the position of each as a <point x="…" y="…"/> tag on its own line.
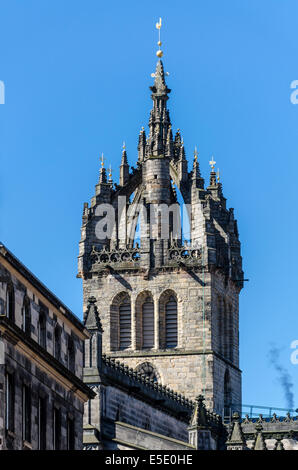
<point x="168" y="306"/>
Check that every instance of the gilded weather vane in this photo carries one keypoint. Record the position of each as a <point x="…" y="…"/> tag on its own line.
<point x="102" y="159"/>
<point x="159" y="53"/>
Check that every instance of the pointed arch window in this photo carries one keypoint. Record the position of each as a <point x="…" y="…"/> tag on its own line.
<point x="171" y="323"/>
<point x="125" y="325"/>
<point x="148" y="323"/>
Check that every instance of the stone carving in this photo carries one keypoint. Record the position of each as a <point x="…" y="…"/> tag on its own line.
<point x="185" y="254"/>
<point x="115" y="257"/>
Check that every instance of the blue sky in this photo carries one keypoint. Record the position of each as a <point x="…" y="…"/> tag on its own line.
<point x="76" y="80"/>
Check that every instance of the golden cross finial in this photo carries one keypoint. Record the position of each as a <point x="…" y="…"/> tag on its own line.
<point x="110" y="172"/>
<point x="124" y="146"/>
<point x="159" y="53"/>
<point x="218" y="175"/>
<point x="196" y="153"/>
<point x="212" y="163"/>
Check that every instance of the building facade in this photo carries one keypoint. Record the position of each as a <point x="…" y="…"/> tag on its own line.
<point x="169" y="303"/>
<point x="42" y="394"/>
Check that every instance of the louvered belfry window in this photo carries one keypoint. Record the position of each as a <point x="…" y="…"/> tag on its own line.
<point x="125" y="325"/>
<point x="171" y="323"/>
<point x="148" y="323"/>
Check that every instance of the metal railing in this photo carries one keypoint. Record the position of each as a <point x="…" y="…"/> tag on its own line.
<point x="254" y="411"/>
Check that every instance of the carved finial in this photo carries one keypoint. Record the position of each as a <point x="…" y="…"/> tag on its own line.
<point x="196" y="153"/>
<point x="110" y="173"/>
<point x="124" y="146"/>
<point x="218" y="176"/>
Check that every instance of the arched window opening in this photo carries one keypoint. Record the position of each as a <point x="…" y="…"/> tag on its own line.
<point x="10" y="302"/>
<point x="26" y="315"/>
<point x="148" y="323"/>
<point x="148" y="370"/>
<point x="42" y="330"/>
<point x="125" y="325"/>
<point x="171" y="323"/>
<point x="71" y="355"/>
<point x="57" y="342"/>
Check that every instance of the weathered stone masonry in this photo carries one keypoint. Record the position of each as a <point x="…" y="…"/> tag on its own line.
<point x="201" y="278"/>
<point x="42" y="395"/>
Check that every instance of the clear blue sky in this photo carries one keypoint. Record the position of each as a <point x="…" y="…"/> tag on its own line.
<point x="77" y="76"/>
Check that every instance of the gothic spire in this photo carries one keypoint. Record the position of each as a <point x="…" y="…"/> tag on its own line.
<point x="159" y="120"/>
<point x="124" y="167"/>
<point x="196" y="173"/>
<point x="102" y="176"/>
<point x="142" y="145"/>
<point x="102" y="173"/>
<point x="124" y="155"/>
<point x="159" y="87"/>
<point x="196" y="166"/>
<point x="169" y="143"/>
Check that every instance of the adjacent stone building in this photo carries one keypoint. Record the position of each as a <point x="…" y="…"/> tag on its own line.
<point x="42" y="394"/>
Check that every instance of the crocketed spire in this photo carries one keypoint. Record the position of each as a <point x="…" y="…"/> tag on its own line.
<point x="103" y="175"/>
<point x="124" y="167"/>
<point x="159" y="120"/>
<point x="141" y="145"/>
